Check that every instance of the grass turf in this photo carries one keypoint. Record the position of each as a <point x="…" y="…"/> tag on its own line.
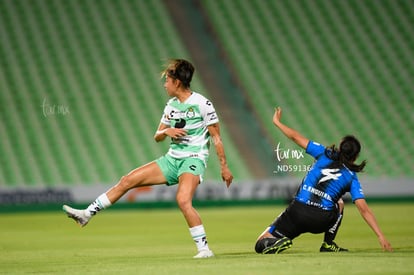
<point x="158" y="242"/>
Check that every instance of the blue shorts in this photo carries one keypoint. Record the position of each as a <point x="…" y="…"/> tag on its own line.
<point x="173" y="168"/>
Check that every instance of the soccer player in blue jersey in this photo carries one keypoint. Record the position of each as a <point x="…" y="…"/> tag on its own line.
<point x="190" y="121"/>
<point x="317" y="206"/>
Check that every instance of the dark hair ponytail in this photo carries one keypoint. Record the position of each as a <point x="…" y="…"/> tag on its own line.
<point x="180" y="69"/>
<point x="347" y="153"/>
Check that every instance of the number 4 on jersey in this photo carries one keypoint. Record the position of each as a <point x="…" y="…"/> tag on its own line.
<point x="330" y="174"/>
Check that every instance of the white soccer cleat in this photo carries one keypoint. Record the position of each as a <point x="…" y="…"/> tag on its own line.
<point x="76" y="214"/>
<point x="205" y="253"/>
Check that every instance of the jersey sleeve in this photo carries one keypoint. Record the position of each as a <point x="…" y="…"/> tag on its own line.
<point x="356" y="190"/>
<point x="315" y="149"/>
<point x="165" y="118"/>
<point x="208" y="113"/>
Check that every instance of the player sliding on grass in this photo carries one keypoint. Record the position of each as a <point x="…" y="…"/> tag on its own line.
<point x="189" y="119"/>
<point x="317" y="206"/>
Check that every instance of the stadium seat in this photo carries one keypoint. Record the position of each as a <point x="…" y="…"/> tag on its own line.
<point x="335" y="68"/>
<point x="101" y="62"/>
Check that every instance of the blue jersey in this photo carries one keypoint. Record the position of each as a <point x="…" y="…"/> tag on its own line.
<point x="323" y="186"/>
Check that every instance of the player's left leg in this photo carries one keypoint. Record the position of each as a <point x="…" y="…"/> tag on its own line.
<point x="186" y="188"/>
<point x="328" y="244"/>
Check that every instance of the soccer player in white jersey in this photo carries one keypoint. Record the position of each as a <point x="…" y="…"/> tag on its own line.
<point x="190" y="120"/>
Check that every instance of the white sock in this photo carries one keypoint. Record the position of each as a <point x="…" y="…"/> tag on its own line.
<point x="199" y="236"/>
<point x="99" y="204"/>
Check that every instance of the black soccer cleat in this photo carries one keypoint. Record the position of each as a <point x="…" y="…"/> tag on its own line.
<point x="331" y="248"/>
<point x="279" y="246"/>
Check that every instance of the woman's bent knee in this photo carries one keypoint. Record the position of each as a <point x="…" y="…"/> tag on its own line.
<point x="125" y="183"/>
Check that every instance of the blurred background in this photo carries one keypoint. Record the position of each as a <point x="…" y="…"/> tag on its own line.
<point x="81" y="94"/>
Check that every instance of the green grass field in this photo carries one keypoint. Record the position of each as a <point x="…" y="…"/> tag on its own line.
<point x="158" y="242"/>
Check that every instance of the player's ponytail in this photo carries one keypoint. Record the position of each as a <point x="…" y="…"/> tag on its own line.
<point x="347" y="153"/>
<point x="349" y="150"/>
<point x="180" y="69"/>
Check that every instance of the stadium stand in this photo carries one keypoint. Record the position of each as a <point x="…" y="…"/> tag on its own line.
<point x="80" y="91"/>
<point x="336" y="67"/>
<point x="216" y="74"/>
<point x="81" y="97"/>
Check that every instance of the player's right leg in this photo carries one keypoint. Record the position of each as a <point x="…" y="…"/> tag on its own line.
<point x="274" y="245"/>
<point x="268" y="243"/>
<point x="279" y="235"/>
<point x="146" y="175"/>
<point x="149" y="174"/>
<point x="79" y="215"/>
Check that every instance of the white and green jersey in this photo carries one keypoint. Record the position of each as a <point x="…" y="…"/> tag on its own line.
<point x="194" y="115"/>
